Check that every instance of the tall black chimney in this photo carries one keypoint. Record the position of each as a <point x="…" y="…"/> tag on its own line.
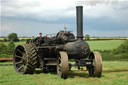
<point x="79" y="15"/>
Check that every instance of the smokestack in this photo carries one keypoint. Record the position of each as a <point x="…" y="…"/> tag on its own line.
<point x="79" y="15"/>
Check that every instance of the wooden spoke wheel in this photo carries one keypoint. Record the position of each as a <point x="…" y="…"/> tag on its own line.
<point x="62" y="64"/>
<point x="25" y="59"/>
<point x="96" y="69"/>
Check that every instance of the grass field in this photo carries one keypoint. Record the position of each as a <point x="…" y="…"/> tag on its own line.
<point x="94" y="45"/>
<point x="114" y="73"/>
<point x="104" y="44"/>
<point x="20" y="38"/>
<point x="16" y="43"/>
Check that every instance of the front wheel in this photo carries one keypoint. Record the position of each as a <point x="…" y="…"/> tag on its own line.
<point x="62" y="64"/>
<point x="96" y="68"/>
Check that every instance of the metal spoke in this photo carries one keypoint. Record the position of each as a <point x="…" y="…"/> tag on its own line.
<point x="20" y="51"/>
<point x="18" y="56"/>
<point x="22" y="66"/>
<point x="20" y="62"/>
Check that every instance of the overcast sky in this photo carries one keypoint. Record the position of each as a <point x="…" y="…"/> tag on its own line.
<point x="29" y="17"/>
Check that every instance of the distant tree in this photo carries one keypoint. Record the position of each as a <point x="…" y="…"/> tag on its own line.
<point x="13" y="37"/>
<point x="123" y="48"/>
<point x="3" y="48"/>
<point x="5" y="39"/>
<point x="87" y="37"/>
<point x="11" y="47"/>
<point x="33" y="37"/>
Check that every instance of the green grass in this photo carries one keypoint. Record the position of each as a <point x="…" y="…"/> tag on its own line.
<point x="104" y="44"/>
<point x="114" y="73"/>
<point x="16" y="43"/>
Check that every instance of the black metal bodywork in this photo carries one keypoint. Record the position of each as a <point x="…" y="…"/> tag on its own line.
<point x="48" y="49"/>
<point x="77" y="49"/>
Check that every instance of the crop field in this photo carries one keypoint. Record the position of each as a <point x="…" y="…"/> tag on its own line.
<point x="114" y="73"/>
<point x="104" y="44"/>
<point x="16" y="43"/>
<point x="94" y="45"/>
<point x="20" y="38"/>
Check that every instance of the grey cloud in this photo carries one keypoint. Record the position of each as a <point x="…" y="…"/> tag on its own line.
<point x="56" y="11"/>
<point x="29" y="28"/>
<point x="51" y="10"/>
<point x="38" y="9"/>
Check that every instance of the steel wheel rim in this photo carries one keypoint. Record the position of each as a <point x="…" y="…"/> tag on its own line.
<point x="59" y="69"/>
<point x="62" y="65"/>
<point x="19" y="59"/>
<point x="97" y="64"/>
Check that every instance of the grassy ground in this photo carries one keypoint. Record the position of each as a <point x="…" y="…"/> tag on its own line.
<point x="104" y="44"/>
<point x="114" y="73"/>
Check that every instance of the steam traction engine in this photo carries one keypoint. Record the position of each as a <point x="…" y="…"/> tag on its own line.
<point x="53" y="54"/>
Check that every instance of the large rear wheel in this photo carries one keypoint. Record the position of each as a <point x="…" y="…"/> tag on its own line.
<point x="25" y="59"/>
<point x="62" y="64"/>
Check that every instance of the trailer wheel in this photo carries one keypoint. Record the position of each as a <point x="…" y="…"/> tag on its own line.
<point x="62" y="64"/>
<point x="96" y="69"/>
<point x="25" y="59"/>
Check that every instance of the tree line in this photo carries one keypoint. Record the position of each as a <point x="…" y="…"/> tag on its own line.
<point x="7" y="50"/>
<point x="119" y="53"/>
